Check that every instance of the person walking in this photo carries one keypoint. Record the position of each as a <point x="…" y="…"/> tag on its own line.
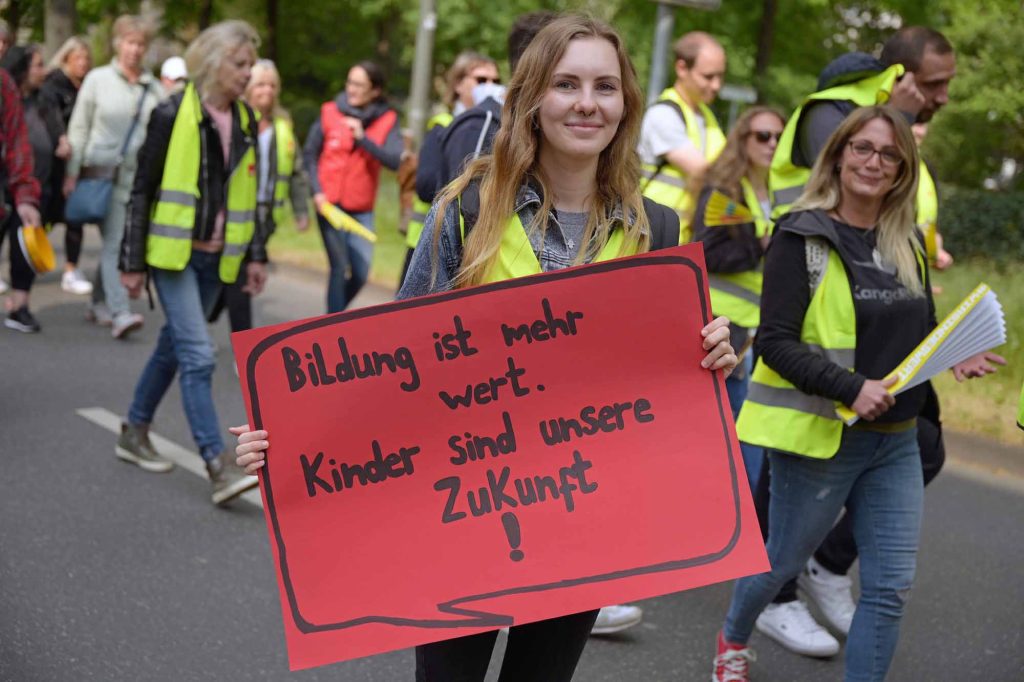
<point x="735" y="184"/>
<point x="355" y="135"/>
<point x="69" y="66"/>
<point x="107" y="128"/>
<point x="820" y="346"/>
<point x="680" y="136"/>
<point x="24" y="189"/>
<point x="574" y="101"/>
<point x="192" y="223"/>
<point x="283" y="186"/>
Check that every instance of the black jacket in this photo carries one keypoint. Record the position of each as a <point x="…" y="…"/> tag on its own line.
<point x="469" y="136"/>
<point x="60" y="92"/>
<point x="213" y="177"/>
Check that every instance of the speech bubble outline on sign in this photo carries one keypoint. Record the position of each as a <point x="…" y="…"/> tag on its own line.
<point x="475" y="610"/>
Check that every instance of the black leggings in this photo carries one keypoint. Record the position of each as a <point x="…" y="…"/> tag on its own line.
<point x="546" y="651"/>
<point x="22" y="274"/>
<point x="72" y="242"/>
<point x="839" y="550"/>
<point x="237" y="302"/>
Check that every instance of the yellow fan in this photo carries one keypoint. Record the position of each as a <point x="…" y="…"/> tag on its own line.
<point x="340" y="220"/>
<point x="35" y="245"/>
<point x="722" y="211"/>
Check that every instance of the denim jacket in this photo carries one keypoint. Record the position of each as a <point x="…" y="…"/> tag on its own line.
<point x="554" y="252"/>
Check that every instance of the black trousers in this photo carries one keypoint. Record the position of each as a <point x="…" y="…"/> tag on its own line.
<point x="545" y="651"/>
<point x="237" y="302"/>
<point x="839" y="550"/>
<point x="22" y="274"/>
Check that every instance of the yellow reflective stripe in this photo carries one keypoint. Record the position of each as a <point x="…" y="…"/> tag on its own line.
<point x="245" y="216"/>
<point x="672" y="180"/>
<point x="169" y="231"/>
<point x="793" y="399"/>
<point x="733" y="289"/>
<point x="172" y="196"/>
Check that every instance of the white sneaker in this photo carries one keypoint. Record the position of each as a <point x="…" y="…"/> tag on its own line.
<point x="791" y="625"/>
<point x="831" y="593"/>
<point x="74" y="282"/>
<point x="4" y="286"/>
<point x="616" y="618"/>
<point x="125" y="323"/>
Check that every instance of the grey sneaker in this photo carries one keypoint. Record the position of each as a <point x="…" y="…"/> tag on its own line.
<point x="99" y="313"/>
<point x="228" y="479"/>
<point x="124" y="324"/>
<point x="134" y="446"/>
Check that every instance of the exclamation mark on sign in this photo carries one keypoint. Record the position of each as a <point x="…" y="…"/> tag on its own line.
<point x="511" y="523"/>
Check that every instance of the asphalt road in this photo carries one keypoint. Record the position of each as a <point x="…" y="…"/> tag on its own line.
<point x="108" y="573"/>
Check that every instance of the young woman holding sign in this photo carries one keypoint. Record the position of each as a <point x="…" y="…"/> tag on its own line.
<point x="564" y="176"/>
<point x="846" y="297"/>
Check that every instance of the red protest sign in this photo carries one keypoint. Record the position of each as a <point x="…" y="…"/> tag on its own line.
<point x="497" y="455"/>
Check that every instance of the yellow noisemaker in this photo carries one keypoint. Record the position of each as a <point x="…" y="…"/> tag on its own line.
<point x="722" y="211"/>
<point x="35" y="245"/>
<point x="340" y="220"/>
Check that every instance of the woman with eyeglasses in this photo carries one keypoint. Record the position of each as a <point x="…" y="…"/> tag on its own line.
<point x="353" y="137"/>
<point x="732" y="221"/>
<point x="846" y="297"/>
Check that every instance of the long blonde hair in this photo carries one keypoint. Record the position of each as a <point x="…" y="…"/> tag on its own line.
<point x="515" y="158"/>
<point x="897" y="238"/>
<point x="266" y="66"/>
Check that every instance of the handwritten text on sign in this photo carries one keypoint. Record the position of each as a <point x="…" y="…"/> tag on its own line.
<point x="462" y="462"/>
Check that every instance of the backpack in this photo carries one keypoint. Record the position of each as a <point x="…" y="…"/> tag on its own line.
<point x="663" y="233"/>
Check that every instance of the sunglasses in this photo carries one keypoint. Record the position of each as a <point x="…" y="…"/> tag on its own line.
<point x="763" y="136"/>
<point x="480" y="80"/>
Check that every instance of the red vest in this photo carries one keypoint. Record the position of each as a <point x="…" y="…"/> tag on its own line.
<point x="348" y="174"/>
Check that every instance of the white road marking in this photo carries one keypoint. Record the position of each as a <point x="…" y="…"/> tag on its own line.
<point x="182" y="457"/>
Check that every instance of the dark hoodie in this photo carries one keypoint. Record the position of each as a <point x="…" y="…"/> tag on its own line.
<point x="890" y="323"/>
<point x="389" y="154"/>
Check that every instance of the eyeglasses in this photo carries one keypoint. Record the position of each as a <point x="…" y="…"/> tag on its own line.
<point x="863" y="150"/>
<point x="480" y="80"/>
<point x="763" y="136"/>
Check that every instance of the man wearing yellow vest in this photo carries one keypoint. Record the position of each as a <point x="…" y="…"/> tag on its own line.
<point x="192" y="222"/>
<point x="679" y="136"/>
<point x="912" y="75"/>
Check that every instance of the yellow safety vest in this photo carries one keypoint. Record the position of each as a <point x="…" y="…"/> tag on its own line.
<point x="284" y="138"/>
<point x="928" y="211"/>
<point x="517" y="259"/>
<point x="669" y="185"/>
<point x="786" y="179"/>
<point x="780" y="416"/>
<point x="737" y="295"/>
<point x="420" y="208"/>
<point x="169" y="243"/>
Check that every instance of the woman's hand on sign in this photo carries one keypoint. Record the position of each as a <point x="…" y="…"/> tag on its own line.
<point x="252" y="448"/>
<point x="721" y="354"/>
<point x="874" y="398"/>
<point x="977" y="366"/>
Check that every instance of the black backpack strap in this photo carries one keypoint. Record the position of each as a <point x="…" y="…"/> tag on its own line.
<point x="664" y="225"/>
<point x="469" y="211"/>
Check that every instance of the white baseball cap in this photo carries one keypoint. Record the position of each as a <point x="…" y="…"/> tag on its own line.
<point x="174" y="69"/>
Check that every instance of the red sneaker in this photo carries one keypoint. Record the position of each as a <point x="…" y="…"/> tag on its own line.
<point x="732" y="661"/>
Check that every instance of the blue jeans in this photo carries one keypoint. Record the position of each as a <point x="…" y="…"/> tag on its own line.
<point x="878" y="478"/>
<point x="350" y="256"/>
<point x="184" y="344"/>
<point x="737" y="387"/>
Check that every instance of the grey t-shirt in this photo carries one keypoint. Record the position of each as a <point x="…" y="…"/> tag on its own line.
<point x="663" y="130"/>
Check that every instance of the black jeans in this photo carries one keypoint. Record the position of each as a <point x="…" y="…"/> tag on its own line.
<point x="545" y="651"/>
<point x="839" y="550"/>
<point x="237" y="302"/>
<point x="22" y="274"/>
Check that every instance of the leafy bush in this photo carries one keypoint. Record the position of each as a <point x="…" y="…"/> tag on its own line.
<point x="981" y="224"/>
